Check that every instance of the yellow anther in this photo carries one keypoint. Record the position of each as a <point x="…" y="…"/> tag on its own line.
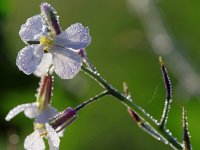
<point x="47" y="42"/>
<point x="38" y="125"/>
<point x="43" y="40"/>
<point x="41" y="128"/>
<point x="43" y="134"/>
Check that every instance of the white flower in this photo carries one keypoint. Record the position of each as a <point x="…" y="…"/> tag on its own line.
<point x="62" y="49"/>
<point x="42" y="112"/>
<point x="49" y="124"/>
<point x="34" y="141"/>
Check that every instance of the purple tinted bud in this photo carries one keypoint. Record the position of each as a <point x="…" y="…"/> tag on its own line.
<point x="44" y="92"/>
<point x="51" y="18"/>
<point x="134" y="115"/>
<point x="167" y="82"/>
<point x="63" y="119"/>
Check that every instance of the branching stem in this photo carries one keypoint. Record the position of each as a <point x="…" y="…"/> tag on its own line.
<point x="127" y="101"/>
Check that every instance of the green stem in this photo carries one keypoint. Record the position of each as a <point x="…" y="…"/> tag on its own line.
<point x="127" y="101"/>
<point x="91" y="100"/>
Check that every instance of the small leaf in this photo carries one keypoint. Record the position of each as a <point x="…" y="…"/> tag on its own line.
<point x="126" y="90"/>
<point x="186" y="137"/>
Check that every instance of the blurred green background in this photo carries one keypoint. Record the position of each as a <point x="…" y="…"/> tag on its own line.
<point x="121" y="52"/>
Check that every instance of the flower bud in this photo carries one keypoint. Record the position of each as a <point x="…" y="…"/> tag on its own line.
<point x="44" y="92"/>
<point x="63" y="119"/>
<point x="134" y="115"/>
<point x="50" y="16"/>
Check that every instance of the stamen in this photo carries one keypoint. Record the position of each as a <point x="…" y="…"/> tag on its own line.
<point x="41" y="128"/>
<point x="38" y="126"/>
<point x="47" y="42"/>
<point x="43" y="134"/>
<point x="43" y="40"/>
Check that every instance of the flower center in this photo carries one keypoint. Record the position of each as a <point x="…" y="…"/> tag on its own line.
<point x="47" y="42"/>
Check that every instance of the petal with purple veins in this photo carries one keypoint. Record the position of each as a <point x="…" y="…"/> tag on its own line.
<point x="20" y="108"/>
<point x="76" y="37"/>
<point x="32" y="29"/>
<point x="32" y="111"/>
<point x="53" y="138"/>
<point x="43" y="67"/>
<point x="66" y="63"/>
<point x="46" y="114"/>
<point x="29" y="58"/>
<point x="34" y="141"/>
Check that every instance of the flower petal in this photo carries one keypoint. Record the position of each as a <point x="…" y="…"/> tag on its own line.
<point x="32" y="111"/>
<point x="32" y="29"/>
<point x="61" y="133"/>
<point x="43" y="67"/>
<point x="34" y="142"/>
<point x="46" y="114"/>
<point x="53" y="138"/>
<point x="66" y="63"/>
<point x="29" y="58"/>
<point x="76" y="36"/>
<point x="24" y="107"/>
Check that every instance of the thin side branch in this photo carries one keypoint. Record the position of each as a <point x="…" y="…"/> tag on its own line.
<point x="91" y="100"/>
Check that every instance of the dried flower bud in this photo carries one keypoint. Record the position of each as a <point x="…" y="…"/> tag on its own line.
<point x="134" y="115"/>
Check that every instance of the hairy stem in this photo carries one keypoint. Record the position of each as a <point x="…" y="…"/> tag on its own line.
<point x="127" y="101"/>
<point x="91" y="100"/>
